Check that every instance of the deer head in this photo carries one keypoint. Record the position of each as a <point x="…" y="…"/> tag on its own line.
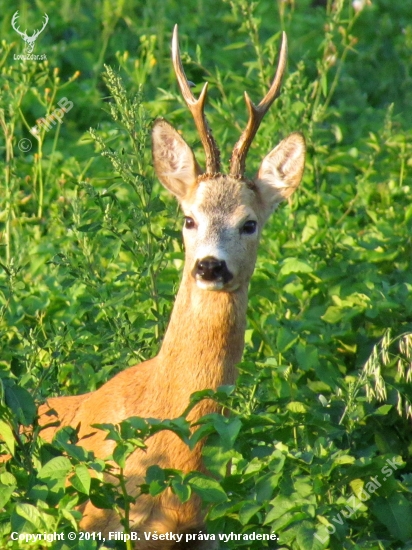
<point x="224" y="214"/>
<point x="29" y="40"/>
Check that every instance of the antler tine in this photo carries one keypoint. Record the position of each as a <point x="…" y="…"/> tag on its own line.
<point x="256" y="114"/>
<point x="13" y="22"/>
<point x="46" y="20"/>
<point x="196" y="107"/>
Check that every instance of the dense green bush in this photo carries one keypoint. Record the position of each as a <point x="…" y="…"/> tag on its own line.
<point x="90" y="251"/>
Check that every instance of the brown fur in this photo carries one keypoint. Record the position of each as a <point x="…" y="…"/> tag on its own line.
<point x="204" y="339"/>
<point x="155" y="389"/>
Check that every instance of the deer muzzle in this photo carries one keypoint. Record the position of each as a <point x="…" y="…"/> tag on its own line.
<point x="213" y="272"/>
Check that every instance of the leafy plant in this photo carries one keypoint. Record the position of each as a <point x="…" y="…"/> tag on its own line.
<point x="315" y="447"/>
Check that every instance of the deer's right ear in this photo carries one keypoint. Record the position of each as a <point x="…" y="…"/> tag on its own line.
<point x="281" y="171"/>
<point x="174" y="162"/>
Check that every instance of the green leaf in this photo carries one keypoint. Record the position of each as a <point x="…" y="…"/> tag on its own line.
<point x="207" y="488"/>
<point x="182" y="490"/>
<point x="288" y="519"/>
<point x="56" y="468"/>
<point x="248" y="510"/>
<point x="7" y="486"/>
<point x="90" y="227"/>
<point x="306" y="355"/>
<point x="324" y="84"/>
<point x="234" y="46"/>
<point x="103" y="495"/>
<point x="395" y="512"/>
<point x="383" y="410"/>
<point x="155" y="473"/>
<point x="297" y="407"/>
<point x="70" y="517"/>
<point x="81" y="479"/>
<point x="121" y="452"/>
<point x="74" y="451"/>
<point x="305" y="537"/>
<point x="294" y="265"/>
<point x="33" y="303"/>
<point x="156" y="480"/>
<point x="38" y="492"/>
<point x="7" y="479"/>
<point x="130" y="426"/>
<point x="156" y="487"/>
<point x="6" y="434"/>
<point x="31" y="514"/>
<point x="21" y="403"/>
<point x="277" y="461"/>
<point x="344" y="459"/>
<point x="223" y="508"/>
<point x="5" y="494"/>
<point x="112" y="429"/>
<point x="228" y="429"/>
<point x="180" y="426"/>
<point x="200" y="433"/>
<point x="215" y="456"/>
<point x="281" y="505"/>
<point x="285" y="339"/>
<point x="303" y="486"/>
<point x="198" y="396"/>
<point x="266" y="485"/>
<point x="322" y="534"/>
<point x="333" y="314"/>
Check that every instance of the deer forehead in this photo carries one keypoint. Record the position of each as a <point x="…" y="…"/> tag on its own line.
<point x="223" y="200"/>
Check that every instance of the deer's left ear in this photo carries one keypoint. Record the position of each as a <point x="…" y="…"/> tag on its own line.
<point x="174" y="162"/>
<point x="281" y="171"/>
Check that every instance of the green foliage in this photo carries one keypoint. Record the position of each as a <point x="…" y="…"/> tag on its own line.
<point x="316" y="448"/>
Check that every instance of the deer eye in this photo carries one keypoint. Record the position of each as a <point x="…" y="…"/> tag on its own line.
<point x="249" y="227"/>
<point x="189" y="222"/>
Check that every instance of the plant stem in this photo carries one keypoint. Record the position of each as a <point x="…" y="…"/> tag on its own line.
<point x="126" y="518"/>
<point x="8" y="136"/>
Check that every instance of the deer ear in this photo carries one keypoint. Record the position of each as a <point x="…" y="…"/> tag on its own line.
<point x="174" y="162"/>
<point x="281" y="171"/>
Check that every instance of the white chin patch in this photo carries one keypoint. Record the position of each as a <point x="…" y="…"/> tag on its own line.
<point x="209" y="285"/>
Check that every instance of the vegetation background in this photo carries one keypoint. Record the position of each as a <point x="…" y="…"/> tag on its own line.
<point x="91" y="253"/>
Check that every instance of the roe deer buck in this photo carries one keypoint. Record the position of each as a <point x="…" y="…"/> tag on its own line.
<point x="224" y="216"/>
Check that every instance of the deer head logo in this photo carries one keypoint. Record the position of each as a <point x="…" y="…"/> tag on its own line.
<point x="29" y="40"/>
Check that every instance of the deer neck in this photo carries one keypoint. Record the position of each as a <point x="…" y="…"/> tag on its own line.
<point x="204" y="340"/>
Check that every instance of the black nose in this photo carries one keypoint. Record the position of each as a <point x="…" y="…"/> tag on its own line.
<point x="211" y="269"/>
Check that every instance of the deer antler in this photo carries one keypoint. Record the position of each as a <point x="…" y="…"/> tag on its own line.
<point x="13" y="22"/>
<point x="256" y="114"/>
<point x="29" y="40"/>
<point x="196" y="107"/>
<point x="36" y="32"/>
